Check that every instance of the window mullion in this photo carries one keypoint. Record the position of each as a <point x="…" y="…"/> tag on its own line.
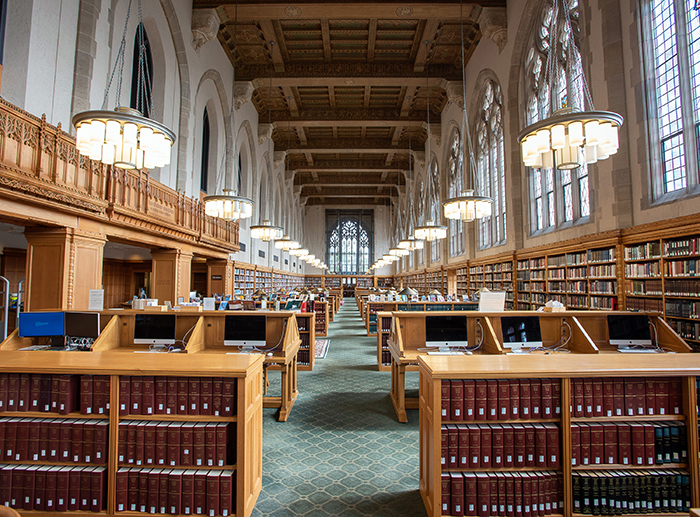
<point x="690" y="141"/>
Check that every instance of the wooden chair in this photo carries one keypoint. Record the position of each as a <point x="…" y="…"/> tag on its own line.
<point x="6" y="511"/>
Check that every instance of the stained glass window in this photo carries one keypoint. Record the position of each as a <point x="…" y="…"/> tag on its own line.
<point x="349" y="241"/>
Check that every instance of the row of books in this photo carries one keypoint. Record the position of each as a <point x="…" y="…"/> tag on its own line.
<point x="689" y="267"/>
<point x="687" y="329"/>
<point x="148" y="395"/>
<point x="643" y="251"/>
<point x="41" y="392"/>
<point x="502" y="399"/>
<point x="149" y="443"/>
<point x="615" y="492"/>
<point x="617" y="396"/>
<point x="683" y="309"/>
<point x="512" y="494"/>
<point x="604" y="271"/>
<point x="53" y="488"/>
<point x="643" y="270"/>
<point x="645" y="287"/>
<point x="176" y="491"/>
<point x="498" y="446"/>
<point x="647" y="443"/>
<point x="57" y="440"/>
<point x="604" y="255"/>
<point x="682" y="247"/>
<point x="304" y="357"/>
<point x="682" y="287"/>
<point x="644" y="305"/>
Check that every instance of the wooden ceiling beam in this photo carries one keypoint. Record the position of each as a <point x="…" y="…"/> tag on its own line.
<point x="326" y="37"/>
<point x="291" y="101"/>
<point x="416" y="82"/>
<point x="350" y="123"/>
<point x="371" y="39"/>
<point x="271" y="38"/>
<point x="409" y="94"/>
<point x="431" y="28"/>
<point x="345" y="150"/>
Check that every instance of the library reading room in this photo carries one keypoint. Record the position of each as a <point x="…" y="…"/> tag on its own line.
<point x="346" y="259"/>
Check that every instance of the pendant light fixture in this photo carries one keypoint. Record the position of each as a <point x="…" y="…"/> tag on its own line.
<point x="125" y="137"/>
<point x="469" y="205"/>
<point x="410" y="243"/>
<point x="432" y="230"/>
<point x="265" y="231"/>
<point x="229" y="205"/>
<point x="570" y="135"/>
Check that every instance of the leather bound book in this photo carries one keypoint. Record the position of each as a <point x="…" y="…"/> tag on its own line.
<point x="493" y="491"/>
<point x="213" y="508"/>
<point x="445" y="495"/>
<point x="22" y="442"/>
<point x="44" y="393"/>
<point x="675" y="442"/>
<point x="553" y="446"/>
<point x="462" y="446"/>
<point x="638" y="436"/>
<point x="546" y="404"/>
<point x="508" y="445"/>
<point x="470" y="494"/>
<point x="124" y="395"/>
<point x="650" y="396"/>
<point x="194" y="396"/>
<point x="535" y="398"/>
<point x="174" y="492"/>
<point x="50" y="494"/>
<point x="525" y="399"/>
<point x="86" y="392"/>
<point x="144" y="479"/>
<point x="519" y="445"/>
<point x="675" y="397"/>
<point x="640" y="396"/>
<point x="661" y="391"/>
<point x="136" y="394"/>
<point x="12" y="392"/>
<point x="598" y="398"/>
<point x="630" y="397"/>
<point x="51" y="430"/>
<point x="186" y="443"/>
<point x="624" y="444"/>
<point x="187" y="497"/>
<point x="456" y="494"/>
<point x="491" y="400"/>
<point x="510" y="494"/>
<point x="483" y="484"/>
<point x="161" y="395"/>
<point x="501" y="491"/>
<point x="39" y="503"/>
<point x="97" y="489"/>
<point x="443" y="446"/>
<point x="474" y="446"/>
<point x="456" y="400"/>
<point x="65" y="440"/>
<point x="480" y="399"/>
<point x="183" y="395"/>
<point x="148" y="395"/>
<point x="618" y="396"/>
<point x="171" y="396"/>
<point x="3" y="393"/>
<point x="161" y="448"/>
<point x="556" y="397"/>
<point x="69" y="395"/>
<point x="540" y="446"/>
<point x="29" y="486"/>
<point x="2" y="441"/>
<point x="79" y="489"/>
<point x="174" y="443"/>
<point x="527" y="493"/>
<point x="163" y="490"/>
<point x="503" y="399"/>
<point x="55" y="392"/>
<point x="25" y="392"/>
<point x="575" y="445"/>
<point x="228" y="397"/>
<point x="89" y="428"/>
<point x="130" y="447"/>
<point x="445" y="394"/>
<point x="222" y="440"/>
<point x="199" y="445"/>
<point x="140" y="444"/>
<point x="610" y="443"/>
<point x="149" y="445"/>
<point x="496" y="446"/>
<point x="546" y="492"/>
<point x="515" y="399"/>
<point x="100" y="385"/>
<point x="469" y="402"/>
<point x="486" y="447"/>
<point x="34" y="392"/>
<point x="210" y="444"/>
<point x="588" y="398"/>
<point x="217" y="389"/>
<point x="585" y="440"/>
<point x="122" y="490"/>
<point x="452" y="446"/>
<point x="10" y="446"/>
<point x="134" y="484"/>
<point x="597" y="443"/>
<point x="530" y="445"/>
<point x="649" y="442"/>
<point x="227" y="493"/>
<point x="152" y="497"/>
<point x="206" y="395"/>
<point x="608" y="397"/>
<point x="200" y="491"/>
<point x="518" y="492"/>
<point x="530" y="493"/>
<point x="17" y="484"/>
<point x="577" y="398"/>
<point x="76" y="450"/>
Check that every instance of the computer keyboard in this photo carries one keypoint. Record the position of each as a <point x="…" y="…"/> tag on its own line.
<point x="638" y="351"/>
<point x="451" y="352"/>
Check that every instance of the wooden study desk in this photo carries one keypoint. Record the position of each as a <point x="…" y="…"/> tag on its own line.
<point x="586" y="330"/>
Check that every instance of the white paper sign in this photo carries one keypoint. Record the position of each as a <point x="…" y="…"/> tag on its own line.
<point x="97" y="300"/>
<point x="209" y="304"/>
<point x="492" y="301"/>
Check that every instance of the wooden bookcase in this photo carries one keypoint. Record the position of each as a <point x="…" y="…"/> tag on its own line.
<point x="383" y="331"/>
<point x="561" y="371"/>
<point x="306" y="323"/>
<point x="372" y="308"/>
<point x="246" y="443"/>
<point x="243" y="280"/>
<point x="322" y="319"/>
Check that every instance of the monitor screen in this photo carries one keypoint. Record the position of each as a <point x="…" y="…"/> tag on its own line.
<point x="520" y="331"/>
<point x="627" y="330"/>
<point x="293" y="305"/>
<point x="83" y="324"/>
<point x="154" y="329"/>
<point x="446" y="331"/>
<point x="245" y="330"/>
<point x="41" y="324"/>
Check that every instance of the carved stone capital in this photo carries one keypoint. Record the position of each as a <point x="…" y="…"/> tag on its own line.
<point x="279" y="157"/>
<point x="297" y="190"/>
<point x="264" y="132"/>
<point x="455" y="94"/>
<point x="242" y="93"/>
<point x="435" y="132"/>
<point x="205" y="25"/>
<point x="418" y="157"/>
<point x="494" y="25"/>
<point x="290" y="174"/>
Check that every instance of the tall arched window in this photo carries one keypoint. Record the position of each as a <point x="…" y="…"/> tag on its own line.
<point x="454" y="188"/>
<point x="419" y="197"/>
<point x="490" y="164"/>
<point x="557" y="197"/>
<point x="204" y="171"/>
<point x="672" y="37"/>
<point x="349" y="235"/>
<point x="141" y="93"/>
<point x="434" y="208"/>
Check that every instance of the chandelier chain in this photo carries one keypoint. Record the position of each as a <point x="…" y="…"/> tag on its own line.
<point x="118" y="63"/>
<point x="466" y="130"/>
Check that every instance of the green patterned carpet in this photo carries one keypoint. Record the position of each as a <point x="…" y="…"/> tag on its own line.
<point x="342" y="452"/>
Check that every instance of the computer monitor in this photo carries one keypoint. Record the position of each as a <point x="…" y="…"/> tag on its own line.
<point x="154" y="329"/>
<point x="293" y="305"/>
<point x="446" y="332"/>
<point x="629" y="330"/>
<point x="520" y="331"/>
<point x="41" y="324"/>
<point x="82" y="324"/>
<point x="246" y="331"/>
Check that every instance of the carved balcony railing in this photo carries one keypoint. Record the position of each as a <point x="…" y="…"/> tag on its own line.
<point x="40" y="165"/>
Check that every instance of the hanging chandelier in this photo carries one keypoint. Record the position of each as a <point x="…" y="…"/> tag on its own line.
<point x="399" y="252"/>
<point x="431" y="231"/>
<point x="265" y="231"/>
<point x="299" y="252"/>
<point x="229" y="206"/>
<point x="286" y="244"/>
<point x="570" y="135"/>
<point x="125" y="137"/>
<point x="469" y="205"/>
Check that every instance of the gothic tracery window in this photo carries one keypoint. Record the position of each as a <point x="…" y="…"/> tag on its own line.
<point x="349" y="241"/>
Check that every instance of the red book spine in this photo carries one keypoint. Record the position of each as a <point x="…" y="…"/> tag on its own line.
<point x="535" y="398"/>
<point x="122" y="490"/>
<point x="65" y="443"/>
<point x="144" y="490"/>
<point x="140" y="444"/>
<point x="206" y="396"/>
<point x="228" y="397"/>
<point x="503" y="399"/>
<point x="89" y="441"/>
<point x="597" y="444"/>
<point x="101" y="440"/>
<point x="100" y="384"/>
<point x="183" y="396"/>
<point x="470" y="494"/>
<point x="474" y="446"/>
<point x="510" y="494"/>
<point x="50" y="495"/>
<point x="508" y="446"/>
<point x="638" y="436"/>
<point x="452" y="446"/>
<point x="187" y="498"/>
<point x="174" y="443"/>
<point x="443" y="446"/>
<point x="483" y="494"/>
<point x="131" y="442"/>
<point x="661" y="389"/>
<point x="640" y="396"/>
<point x="226" y="493"/>
<point x="68" y="395"/>
<point x="174" y="492"/>
<point x="624" y="445"/>
<point x="519" y="445"/>
<point x="3" y="393"/>
<point x="445" y="493"/>
<point x="618" y="396"/>
<point x="161" y="396"/>
<point x="518" y="490"/>
<point x="198" y="445"/>
<point x="35" y="392"/>
<point x="469" y="404"/>
<point x="45" y="394"/>
<point x="161" y="448"/>
<point x="55" y="392"/>
<point x="610" y="441"/>
<point x="456" y="400"/>
<point x="515" y="399"/>
<point x="222" y="440"/>
<point x="136" y="395"/>
<point x="491" y="400"/>
<point x="186" y="443"/>
<point x="530" y="446"/>
<point x="462" y="446"/>
<point x="630" y="397"/>
<point x="649" y="444"/>
<point x="39" y="503"/>
<point x="86" y="391"/>
<point x="149" y="445"/>
<point x="546" y="392"/>
<point x="456" y="493"/>
<point x="25" y="392"/>
<point x="213" y="493"/>
<point x="210" y="445"/>
<point x="585" y="444"/>
<point x="540" y="446"/>
<point x="171" y="396"/>
<point x="527" y="494"/>
<point x="588" y="398"/>
<point x="501" y="493"/>
<point x="675" y="396"/>
<point x="497" y="446"/>
<point x="124" y="395"/>
<point x="134" y="484"/>
<point x="650" y="394"/>
<point x="486" y="447"/>
<point x="480" y="400"/>
<point x="556" y="397"/>
<point x="553" y="447"/>
<point x="194" y="396"/>
<point x="608" y="397"/>
<point x="148" y="395"/>
<point x="493" y="490"/>
<point x="85" y="489"/>
<point x="200" y="491"/>
<point x="97" y="489"/>
<point x="525" y="399"/>
<point x="22" y="442"/>
<point x="154" y="489"/>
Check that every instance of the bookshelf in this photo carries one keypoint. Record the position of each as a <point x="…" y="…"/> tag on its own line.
<point x="495" y="274"/>
<point x="306" y="323"/>
<point x="462" y="280"/>
<point x="243" y="280"/>
<point x="236" y="475"/>
<point x="322" y="320"/>
<point x="435" y="279"/>
<point x="313" y="281"/>
<point x="447" y="382"/>
<point x="383" y="330"/>
<point x="372" y="308"/>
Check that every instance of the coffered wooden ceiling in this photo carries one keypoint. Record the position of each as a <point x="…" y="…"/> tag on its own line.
<point x="346" y="85"/>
